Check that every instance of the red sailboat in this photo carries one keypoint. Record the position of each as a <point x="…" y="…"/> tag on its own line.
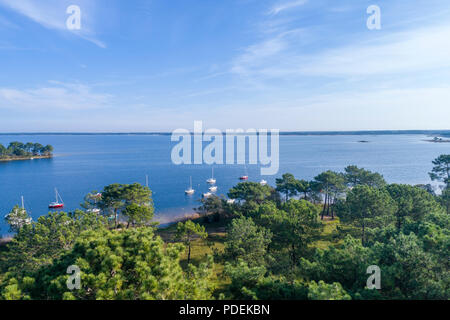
<point x="245" y="177"/>
<point x="57" y="204"/>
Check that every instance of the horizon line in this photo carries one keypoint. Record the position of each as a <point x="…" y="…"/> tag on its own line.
<point x="287" y="132"/>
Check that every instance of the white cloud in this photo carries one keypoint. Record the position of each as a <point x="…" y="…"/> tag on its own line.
<point x="402" y="52"/>
<point x="286" y="6"/>
<point x="257" y="54"/>
<point x="258" y="57"/>
<point x="57" y="96"/>
<point x="399" y="53"/>
<point x="52" y="15"/>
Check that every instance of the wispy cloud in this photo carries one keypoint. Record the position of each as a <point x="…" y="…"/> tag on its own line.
<point x="52" y="15"/>
<point x="57" y="95"/>
<point x="256" y="55"/>
<point x="402" y="52"/>
<point x="258" y="59"/>
<point x="286" y="6"/>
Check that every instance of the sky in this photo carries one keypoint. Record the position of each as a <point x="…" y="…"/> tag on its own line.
<point x="158" y="65"/>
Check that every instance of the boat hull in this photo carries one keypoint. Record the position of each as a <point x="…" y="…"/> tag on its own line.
<point x="56" y="206"/>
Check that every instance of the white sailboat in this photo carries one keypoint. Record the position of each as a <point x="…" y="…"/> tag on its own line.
<point x="213" y="189"/>
<point x="263" y="182"/>
<point x="190" y="190"/>
<point x="20" y="222"/>
<point x="207" y="195"/>
<point x="211" y="180"/>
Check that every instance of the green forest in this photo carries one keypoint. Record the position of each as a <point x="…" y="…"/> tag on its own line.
<point x="19" y="150"/>
<point x="299" y="239"/>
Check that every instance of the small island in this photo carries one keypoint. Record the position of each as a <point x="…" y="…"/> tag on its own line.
<point x="25" y="151"/>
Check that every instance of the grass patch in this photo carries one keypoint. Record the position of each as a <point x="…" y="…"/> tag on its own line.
<point x="328" y="237"/>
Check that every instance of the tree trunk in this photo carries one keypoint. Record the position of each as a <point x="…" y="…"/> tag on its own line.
<point x="324" y="205"/>
<point x="328" y="207"/>
<point x="332" y="209"/>
<point x="189" y="253"/>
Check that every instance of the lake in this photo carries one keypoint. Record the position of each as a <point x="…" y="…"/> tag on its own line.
<point x="84" y="163"/>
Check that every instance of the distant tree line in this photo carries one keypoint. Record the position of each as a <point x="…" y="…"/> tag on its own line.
<point x="18" y="149"/>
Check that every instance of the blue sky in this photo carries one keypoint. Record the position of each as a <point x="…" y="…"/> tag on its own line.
<point x="159" y="65"/>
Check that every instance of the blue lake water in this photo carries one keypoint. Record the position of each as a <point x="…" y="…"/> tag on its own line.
<point x="83" y="163"/>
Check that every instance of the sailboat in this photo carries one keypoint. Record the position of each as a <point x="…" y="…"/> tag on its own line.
<point x="190" y="190"/>
<point x="57" y="204"/>
<point x="244" y="177"/>
<point x="20" y="222"/>
<point x="211" y="180"/>
<point x="213" y="189"/>
<point x="263" y="182"/>
<point x="207" y="195"/>
<point x="28" y="220"/>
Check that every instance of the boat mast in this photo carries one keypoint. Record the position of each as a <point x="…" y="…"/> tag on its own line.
<point x="23" y="207"/>
<point x="146" y="180"/>
<point x="56" y="196"/>
<point x="190" y="180"/>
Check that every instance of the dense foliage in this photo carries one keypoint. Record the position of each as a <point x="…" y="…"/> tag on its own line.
<point x="314" y="240"/>
<point x="22" y="150"/>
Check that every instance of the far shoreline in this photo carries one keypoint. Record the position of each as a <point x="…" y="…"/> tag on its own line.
<point x="25" y="158"/>
<point x="437" y="132"/>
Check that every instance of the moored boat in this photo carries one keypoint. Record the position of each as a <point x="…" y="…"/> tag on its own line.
<point x="190" y="191"/>
<point x="244" y="177"/>
<point x="57" y="204"/>
<point x="211" y="180"/>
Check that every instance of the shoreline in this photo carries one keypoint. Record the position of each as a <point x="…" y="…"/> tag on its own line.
<point x="438" y="141"/>
<point x="6" y="238"/>
<point x="25" y="158"/>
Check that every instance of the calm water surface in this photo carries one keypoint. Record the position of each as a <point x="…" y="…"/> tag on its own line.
<point x="83" y="163"/>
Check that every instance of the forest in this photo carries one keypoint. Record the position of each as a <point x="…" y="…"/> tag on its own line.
<point x="299" y="239"/>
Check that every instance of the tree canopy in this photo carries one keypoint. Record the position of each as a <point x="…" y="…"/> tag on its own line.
<point x="18" y="149"/>
<point x="319" y="243"/>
